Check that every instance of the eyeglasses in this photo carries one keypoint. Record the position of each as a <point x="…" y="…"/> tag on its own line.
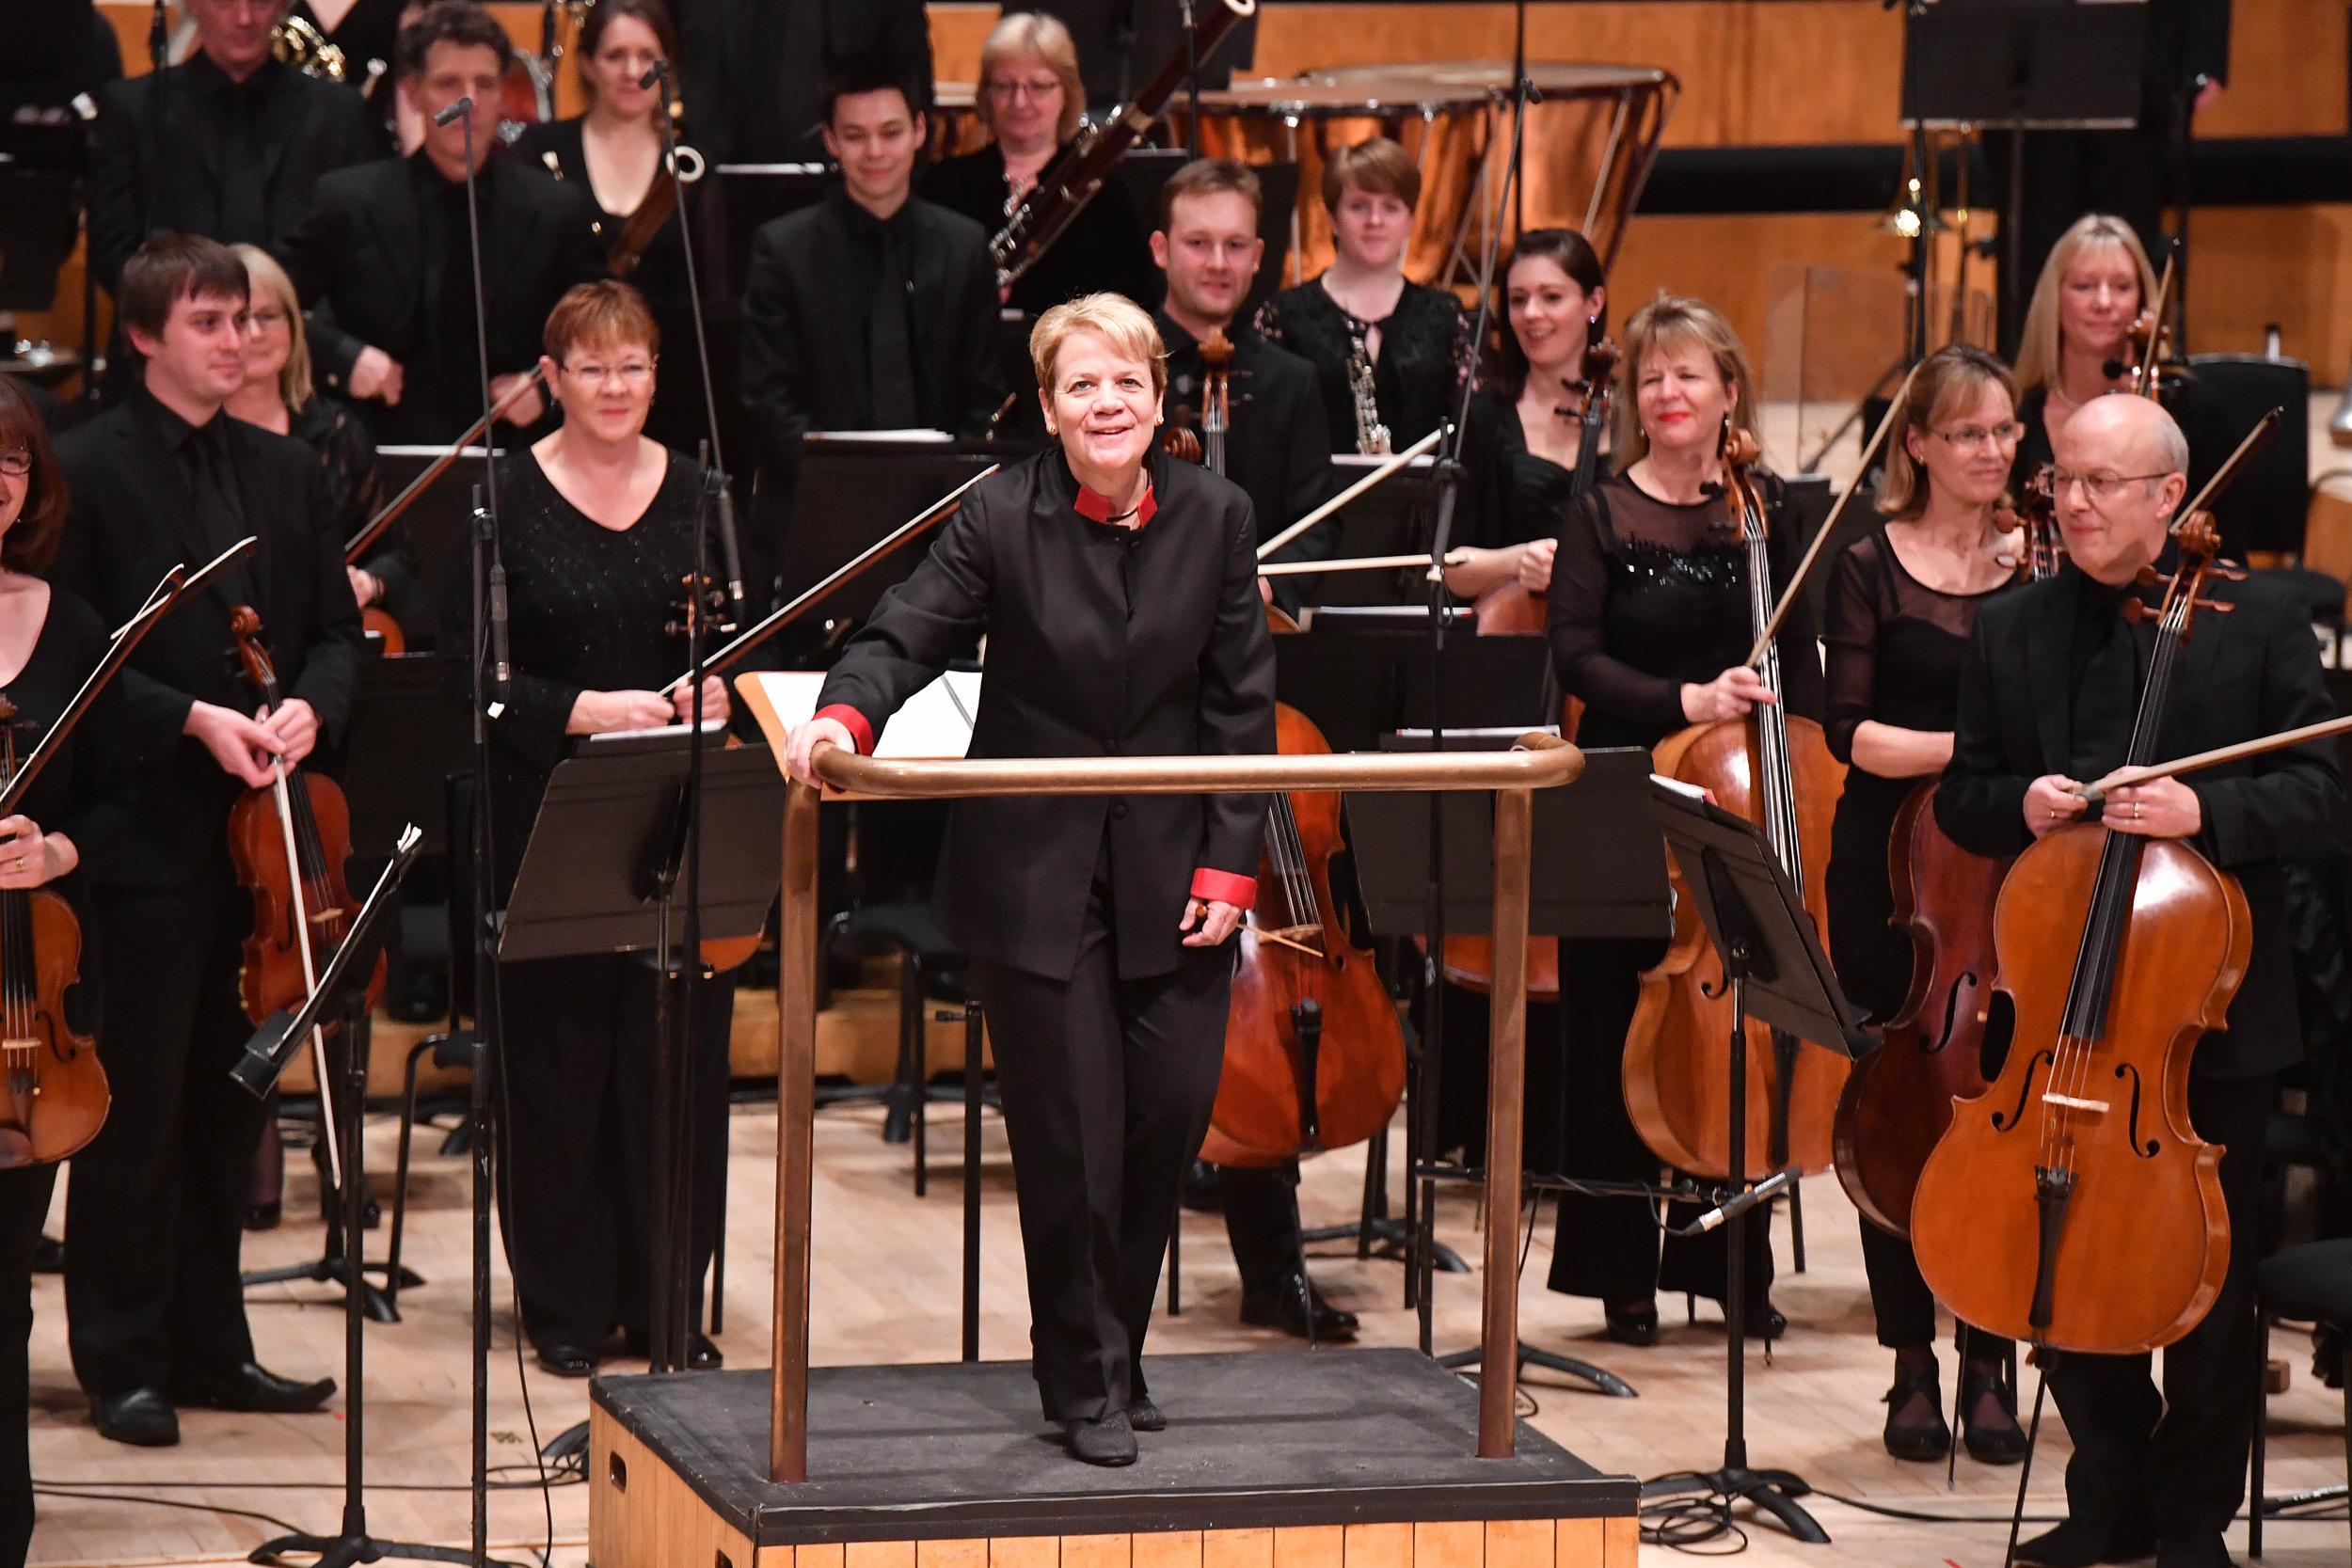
<point x="1983" y="435"/>
<point x="1042" y="86"/>
<point x="2101" y="488"/>
<point x="592" y="375"/>
<point x="266" y="320"/>
<point x="16" y="464"/>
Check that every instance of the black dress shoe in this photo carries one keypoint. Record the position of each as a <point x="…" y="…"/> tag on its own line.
<point x="249" y="1386"/>
<point x="566" y="1360"/>
<point x="1200" y="1193"/>
<point x="1144" y="1416"/>
<point x="2001" y="1442"/>
<point x="1632" y="1325"/>
<point x="1921" y="1439"/>
<point x="2079" y="1543"/>
<point x="701" y="1354"/>
<point x="1293" y="1304"/>
<point x="263" y="1217"/>
<point x="1107" y="1441"/>
<point x="142" y="1418"/>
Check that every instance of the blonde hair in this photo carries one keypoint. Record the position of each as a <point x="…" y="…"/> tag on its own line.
<point x="2038" y="342"/>
<point x="267" y="278"/>
<point x="1032" y="35"/>
<point x="1678" y="321"/>
<point x="1949" y="380"/>
<point x="1116" y="319"/>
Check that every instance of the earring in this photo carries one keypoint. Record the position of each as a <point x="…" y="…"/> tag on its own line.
<point x="1593" y="320"/>
<point x="1053" y="430"/>
<point x="1159" y="418"/>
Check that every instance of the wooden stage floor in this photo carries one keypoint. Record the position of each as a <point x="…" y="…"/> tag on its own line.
<point x="886" y="1289"/>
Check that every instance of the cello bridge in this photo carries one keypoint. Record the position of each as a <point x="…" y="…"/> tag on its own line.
<point x="2072" y="1104"/>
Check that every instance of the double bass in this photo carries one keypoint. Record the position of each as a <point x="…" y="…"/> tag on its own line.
<point x="1777" y="771"/>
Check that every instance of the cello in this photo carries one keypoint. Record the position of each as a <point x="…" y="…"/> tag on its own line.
<point x="1775" y="771"/>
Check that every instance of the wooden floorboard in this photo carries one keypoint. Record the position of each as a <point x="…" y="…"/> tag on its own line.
<point x="885" y="1285"/>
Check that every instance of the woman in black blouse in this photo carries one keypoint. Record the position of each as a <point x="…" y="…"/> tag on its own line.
<point x="599" y="524"/>
<point x="48" y="641"/>
<point x="613" y="151"/>
<point x="1031" y="100"/>
<point x="1650" y="625"/>
<point x="1901" y="604"/>
<point x="1362" y="317"/>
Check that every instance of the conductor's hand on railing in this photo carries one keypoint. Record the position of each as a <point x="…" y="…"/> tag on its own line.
<point x="805" y="739"/>
<point x="1215" y="918"/>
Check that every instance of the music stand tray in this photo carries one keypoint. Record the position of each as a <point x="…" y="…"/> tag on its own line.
<point x="2025" y="65"/>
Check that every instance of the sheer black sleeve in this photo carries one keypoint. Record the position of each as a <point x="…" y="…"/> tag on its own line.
<point x="1850" y="647"/>
<point x="1577" y="629"/>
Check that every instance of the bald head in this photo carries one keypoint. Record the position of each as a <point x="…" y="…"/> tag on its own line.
<point x="2121" y="472"/>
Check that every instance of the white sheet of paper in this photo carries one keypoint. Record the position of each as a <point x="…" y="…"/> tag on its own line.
<point x="932" y="724"/>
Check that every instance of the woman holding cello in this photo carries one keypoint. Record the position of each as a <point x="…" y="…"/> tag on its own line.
<point x="1901" y="602"/>
<point x="1650" y="628"/>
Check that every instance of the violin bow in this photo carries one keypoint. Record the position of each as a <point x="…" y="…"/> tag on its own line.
<point x="938" y="511"/>
<point x="1829" y="524"/>
<point x="1356" y="563"/>
<point x="2144" y="373"/>
<point x="1379" y="475"/>
<point x="2247" y="449"/>
<point x="170" y="592"/>
<point x="2126" y="777"/>
<point x="389" y="512"/>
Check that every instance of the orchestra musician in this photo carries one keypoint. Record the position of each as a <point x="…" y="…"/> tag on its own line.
<point x="1650" y="627"/>
<point x="872" y="309"/>
<point x="1208" y="245"/>
<point x="155" y="1310"/>
<point x="598" y="522"/>
<point x="763" y="65"/>
<point x="1117" y="587"/>
<point x="1030" y="100"/>
<point x="48" y="641"/>
<point x="2048" y="693"/>
<point x="1520" y="449"/>
<point x="230" y="143"/>
<point x="388" y="249"/>
<point x="366" y="31"/>
<point x="1361" y="321"/>
<point x="614" y="152"/>
<point x="1902" y="599"/>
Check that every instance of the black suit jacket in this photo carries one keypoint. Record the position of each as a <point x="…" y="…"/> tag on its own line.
<point x="1100" y="642"/>
<point x="156" y="177"/>
<point x="359" y="254"/>
<point x="131" y="520"/>
<point x="802" y="369"/>
<point x="2249" y="672"/>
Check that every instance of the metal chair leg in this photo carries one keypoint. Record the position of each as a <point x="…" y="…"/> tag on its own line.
<point x="972" y="1036"/>
<point x="2261" y="1433"/>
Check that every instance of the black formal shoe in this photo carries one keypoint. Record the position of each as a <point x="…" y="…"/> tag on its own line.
<point x="1144" y="1416"/>
<point x="1200" y="1191"/>
<point x="1922" y="1439"/>
<point x="1632" y="1325"/>
<point x="2197" y="1552"/>
<point x="1105" y="1441"/>
<point x="1996" y="1442"/>
<point x="248" y="1386"/>
<point x="1767" y="1323"/>
<point x="701" y="1354"/>
<point x="2079" y="1543"/>
<point x="567" y="1360"/>
<point x="142" y="1418"/>
<point x="1291" y="1304"/>
<point x="263" y="1216"/>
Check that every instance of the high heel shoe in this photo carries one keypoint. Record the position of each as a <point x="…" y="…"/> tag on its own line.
<point x="1636" y="1325"/>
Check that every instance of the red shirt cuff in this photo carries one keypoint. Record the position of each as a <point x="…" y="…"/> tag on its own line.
<point x="854" y="722"/>
<point x="1225" y="888"/>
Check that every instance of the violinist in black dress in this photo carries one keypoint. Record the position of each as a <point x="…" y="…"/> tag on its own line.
<point x="599" y="524"/>
<point x="1389" y="354"/>
<point x="2048" y="695"/>
<point x="1902" y="599"/>
<point x="1118" y="590"/>
<point x="1650" y="628"/>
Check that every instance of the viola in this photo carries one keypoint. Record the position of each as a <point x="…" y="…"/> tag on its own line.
<point x="1777" y="771"/>
<point x="56" y="1097"/>
<point x="1314" y="1058"/>
<point x="2071" y="1204"/>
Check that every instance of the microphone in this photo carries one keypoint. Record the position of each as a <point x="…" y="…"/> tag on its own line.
<point x="159" y="37"/>
<point x="2112" y="369"/>
<point x="731" y="557"/>
<point x="660" y="69"/>
<point x="1763" y="1192"/>
<point x="455" y="111"/>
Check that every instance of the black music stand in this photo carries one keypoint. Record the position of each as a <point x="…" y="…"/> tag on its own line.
<point x="1597" y="872"/>
<point x="407" y="739"/>
<point x="1780" y="975"/>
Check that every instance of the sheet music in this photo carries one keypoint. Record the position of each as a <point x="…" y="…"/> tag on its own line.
<point x="935" y="722"/>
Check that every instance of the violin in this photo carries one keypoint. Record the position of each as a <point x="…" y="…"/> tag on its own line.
<point x="57" y="1096"/>
<point x="2071" y="1204"/>
<point x="1777" y="771"/>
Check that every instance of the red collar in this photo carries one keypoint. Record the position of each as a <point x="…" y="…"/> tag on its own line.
<point x="1096" y="507"/>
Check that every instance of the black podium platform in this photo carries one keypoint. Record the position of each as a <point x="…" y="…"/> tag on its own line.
<point x="1258" y="1445"/>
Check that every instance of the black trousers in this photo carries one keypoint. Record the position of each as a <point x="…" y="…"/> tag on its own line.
<point x="577" y="1199"/>
<point x="2178" y="1458"/>
<point x="1261" y="1205"/>
<point x="24" y="1204"/>
<point x="1107" y="1083"/>
<point x="154" y="1212"/>
<point x="1903" y="1304"/>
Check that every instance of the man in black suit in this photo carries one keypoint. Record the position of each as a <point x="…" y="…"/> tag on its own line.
<point x="1276" y="450"/>
<point x="2048" y="696"/>
<point x="155" y="1308"/>
<point x="387" y="250"/>
<point x="873" y="309"/>
<point x="760" y="68"/>
<point x="231" y="145"/>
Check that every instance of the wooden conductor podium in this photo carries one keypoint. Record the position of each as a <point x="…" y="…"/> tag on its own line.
<point x="1286" y="1459"/>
